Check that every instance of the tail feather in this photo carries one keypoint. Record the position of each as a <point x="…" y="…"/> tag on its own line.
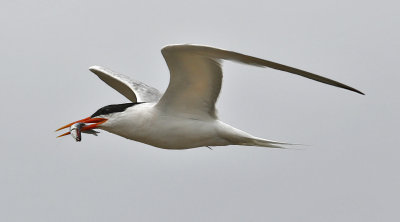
<point x="238" y="137"/>
<point x="255" y="141"/>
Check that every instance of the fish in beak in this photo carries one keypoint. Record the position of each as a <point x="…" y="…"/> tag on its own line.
<point x="86" y="125"/>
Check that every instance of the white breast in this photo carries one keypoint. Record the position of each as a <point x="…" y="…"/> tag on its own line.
<point x="148" y="125"/>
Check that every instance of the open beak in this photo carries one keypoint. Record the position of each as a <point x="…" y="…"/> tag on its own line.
<point x="95" y="123"/>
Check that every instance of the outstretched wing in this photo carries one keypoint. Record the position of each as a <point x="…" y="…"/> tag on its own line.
<point x="134" y="90"/>
<point x="196" y="76"/>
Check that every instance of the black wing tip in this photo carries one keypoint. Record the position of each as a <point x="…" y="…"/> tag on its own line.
<point x="356" y="91"/>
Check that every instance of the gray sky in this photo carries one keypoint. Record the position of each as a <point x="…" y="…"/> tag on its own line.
<point x="348" y="173"/>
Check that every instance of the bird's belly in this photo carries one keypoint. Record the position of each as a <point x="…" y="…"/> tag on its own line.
<point x="176" y="134"/>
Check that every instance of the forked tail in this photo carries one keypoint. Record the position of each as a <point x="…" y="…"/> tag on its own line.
<point x="239" y="137"/>
<point x="255" y="141"/>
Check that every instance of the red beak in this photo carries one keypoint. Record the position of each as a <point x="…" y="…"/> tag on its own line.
<point x="96" y="122"/>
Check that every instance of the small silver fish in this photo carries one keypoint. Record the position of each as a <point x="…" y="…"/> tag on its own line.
<point x="76" y="130"/>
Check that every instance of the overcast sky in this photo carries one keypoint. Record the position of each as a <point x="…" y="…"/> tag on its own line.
<point x="348" y="172"/>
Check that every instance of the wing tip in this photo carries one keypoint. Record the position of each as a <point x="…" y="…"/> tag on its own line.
<point x="355" y="90"/>
<point x="96" y="68"/>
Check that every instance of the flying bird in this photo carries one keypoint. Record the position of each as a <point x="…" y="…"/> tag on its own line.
<point x="185" y="115"/>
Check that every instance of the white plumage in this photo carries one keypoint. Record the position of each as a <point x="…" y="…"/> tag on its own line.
<point x="184" y="117"/>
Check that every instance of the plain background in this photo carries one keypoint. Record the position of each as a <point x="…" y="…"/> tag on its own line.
<point x="348" y="172"/>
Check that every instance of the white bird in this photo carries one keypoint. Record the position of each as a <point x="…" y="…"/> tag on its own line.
<point x="185" y="115"/>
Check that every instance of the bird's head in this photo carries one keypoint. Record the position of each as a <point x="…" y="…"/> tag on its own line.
<point x="99" y="117"/>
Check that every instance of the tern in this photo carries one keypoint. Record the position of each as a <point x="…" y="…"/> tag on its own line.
<point x="185" y="115"/>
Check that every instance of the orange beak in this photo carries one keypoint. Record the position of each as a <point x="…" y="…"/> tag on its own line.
<point x="96" y="122"/>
